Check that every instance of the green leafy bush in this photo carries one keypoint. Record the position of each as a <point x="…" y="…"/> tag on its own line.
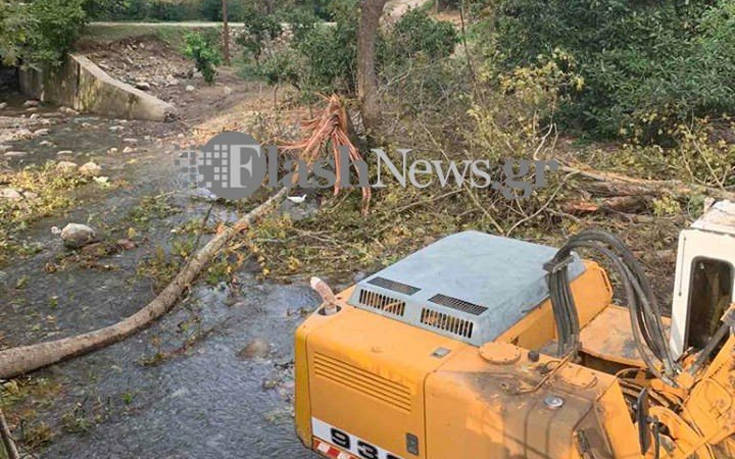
<point x="15" y="30"/>
<point x="330" y="52"/>
<point x="57" y="24"/>
<point x="39" y="32"/>
<point x="211" y="10"/>
<point x="323" y="58"/>
<point x="645" y="65"/>
<point x="416" y="33"/>
<point x="282" y="67"/>
<point x="203" y="51"/>
<point x="258" y="31"/>
<point x="300" y="21"/>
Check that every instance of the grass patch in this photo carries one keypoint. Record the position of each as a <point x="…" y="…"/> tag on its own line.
<point x="44" y="190"/>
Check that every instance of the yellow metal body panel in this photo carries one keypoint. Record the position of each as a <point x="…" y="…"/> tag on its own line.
<point x="380" y="380"/>
<point x="609" y="336"/>
<point x="710" y="405"/>
<point x="365" y="374"/>
<point x="475" y="408"/>
<point x="592" y="293"/>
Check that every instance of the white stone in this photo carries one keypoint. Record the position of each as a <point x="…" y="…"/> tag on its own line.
<point x="66" y="166"/>
<point x="76" y="235"/>
<point x="68" y="111"/>
<point x="90" y="169"/>
<point x="10" y="194"/>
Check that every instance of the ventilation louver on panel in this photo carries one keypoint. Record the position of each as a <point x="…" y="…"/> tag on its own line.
<point x="382" y="302"/>
<point x="446" y="322"/>
<point x="393" y="285"/>
<point x="459" y="305"/>
<point x="363" y="381"/>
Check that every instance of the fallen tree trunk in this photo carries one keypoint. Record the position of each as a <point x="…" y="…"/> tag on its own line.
<point x="622" y="185"/>
<point x="24" y="359"/>
<point x="7" y="438"/>
<point x="626" y="204"/>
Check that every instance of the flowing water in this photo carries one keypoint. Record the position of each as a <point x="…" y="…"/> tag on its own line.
<point x="179" y="388"/>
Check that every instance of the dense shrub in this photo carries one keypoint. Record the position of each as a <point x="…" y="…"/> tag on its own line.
<point x="57" y="24"/>
<point x="323" y="58"/>
<point x="196" y="10"/>
<point x="211" y="10"/>
<point x="417" y="33"/>
<point x="645" y="65"/>
<point x="202" y="49"/>
<point x="330" y="52"/>
<point x="39" y="32"/>
<point x="15" y="25"/>
<point x="282" y="67"/>
<point x="258" y="31"/>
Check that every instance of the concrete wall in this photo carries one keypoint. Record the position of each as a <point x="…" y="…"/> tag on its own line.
<point x="80" y="84"/>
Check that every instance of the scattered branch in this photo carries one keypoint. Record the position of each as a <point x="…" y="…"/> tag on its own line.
<point x="625" y="185"/>
<point x="7" y="438"/>
<point x="24" y="359"/>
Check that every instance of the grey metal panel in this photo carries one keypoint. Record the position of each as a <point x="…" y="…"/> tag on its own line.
<point x="504" y="275"/>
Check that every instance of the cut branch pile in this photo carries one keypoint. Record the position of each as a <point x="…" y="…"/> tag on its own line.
<point x="621" y="193"/>
<point x="330" y="129"/>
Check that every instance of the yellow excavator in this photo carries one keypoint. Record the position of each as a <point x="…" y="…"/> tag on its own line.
<point x="479" y="346"/>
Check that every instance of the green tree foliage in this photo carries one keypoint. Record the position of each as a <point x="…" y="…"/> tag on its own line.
<point x="39" y="32"/>
<point x="282" y="67"/>
<point x="259" y="29"/>
<point x="202" y="49"/>
<point x="57" y="24"/>
<point x="645" y="65"/>
<point x="322" y="58"/>
<point x="416" y="33"/>
<point x="211" y="10"/>
<point x="329" y="52"/>
<point x="15" y="30"/>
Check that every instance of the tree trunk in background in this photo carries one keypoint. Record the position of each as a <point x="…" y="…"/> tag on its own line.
<point x="367" y="80"/>
<point x="225" y="34"/>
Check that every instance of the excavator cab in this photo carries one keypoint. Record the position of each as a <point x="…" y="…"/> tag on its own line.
<point x="705" y="278"/>
<point x="483" y="346"/>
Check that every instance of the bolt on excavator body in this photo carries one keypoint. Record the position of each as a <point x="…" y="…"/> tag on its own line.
<point x="479" y="346"/>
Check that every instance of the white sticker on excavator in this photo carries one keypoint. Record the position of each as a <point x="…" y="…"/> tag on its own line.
<point x="349" y="442"/>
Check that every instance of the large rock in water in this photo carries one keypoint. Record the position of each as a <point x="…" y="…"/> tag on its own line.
<point x="256" y="348"/>
<point x="76" y="235"/>
<point x="90" y="169"/>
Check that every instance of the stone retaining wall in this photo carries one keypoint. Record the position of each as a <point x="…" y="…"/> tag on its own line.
<point x="82" y="85"/>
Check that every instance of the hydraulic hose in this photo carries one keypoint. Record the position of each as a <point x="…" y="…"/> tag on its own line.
<point x="645" y="316"/>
